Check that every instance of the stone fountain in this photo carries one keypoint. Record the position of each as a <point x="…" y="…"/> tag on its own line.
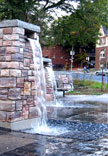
<point x="25" y="81"/>
<point x="18" y="91"/>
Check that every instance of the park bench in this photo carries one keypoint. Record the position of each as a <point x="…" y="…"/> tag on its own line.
<point x="61" y="86"/>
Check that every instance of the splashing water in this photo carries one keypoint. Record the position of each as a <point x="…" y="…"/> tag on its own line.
<point x="53" y="83"/>
<point x="39" y="79"/>
<point x="42" y="127"/>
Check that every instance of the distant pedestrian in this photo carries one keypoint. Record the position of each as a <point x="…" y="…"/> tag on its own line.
<point x="85" y="69"/>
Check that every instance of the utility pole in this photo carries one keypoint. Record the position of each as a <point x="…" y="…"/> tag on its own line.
<point x="72" y="53"/>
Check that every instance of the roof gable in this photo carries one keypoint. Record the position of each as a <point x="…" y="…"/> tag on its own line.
<point x="103" y="31"/>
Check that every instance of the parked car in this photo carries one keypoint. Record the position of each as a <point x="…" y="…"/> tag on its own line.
<point x="99" y="72"/>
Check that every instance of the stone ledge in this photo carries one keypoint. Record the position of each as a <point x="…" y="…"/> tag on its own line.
<point x="19" y="23"/>
<point x="20" y="125"/>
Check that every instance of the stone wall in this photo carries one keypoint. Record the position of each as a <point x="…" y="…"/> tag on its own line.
<point x="65" y="79"/>
<point x="49" y="86"/>
<point x="17" y="89"/>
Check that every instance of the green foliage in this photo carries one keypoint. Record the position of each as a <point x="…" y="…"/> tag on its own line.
<point x="81" y="57"/>
<point x="81" y="28"/>
<point x="89" y="84"/>
<point x="34" y="11"/>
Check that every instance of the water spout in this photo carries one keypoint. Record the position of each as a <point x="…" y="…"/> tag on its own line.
<point x="39" y="78"/>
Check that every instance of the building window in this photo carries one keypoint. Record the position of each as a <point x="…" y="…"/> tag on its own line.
<point x="102" y="41"/>
<point x="102" y="54"/>
<point x="53" y="56"/>
<point x="61" y="57"/>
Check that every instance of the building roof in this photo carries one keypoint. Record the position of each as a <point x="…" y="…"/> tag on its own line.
<point x="105" y="30"/>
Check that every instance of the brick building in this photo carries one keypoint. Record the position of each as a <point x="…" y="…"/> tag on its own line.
<point x="59" y="55"/>
<point x="101" y="54"/>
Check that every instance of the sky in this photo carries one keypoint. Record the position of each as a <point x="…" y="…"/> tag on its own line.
<point x="60" y="13"/>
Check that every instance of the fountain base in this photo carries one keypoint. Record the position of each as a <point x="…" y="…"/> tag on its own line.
<point x="20" y="125"/>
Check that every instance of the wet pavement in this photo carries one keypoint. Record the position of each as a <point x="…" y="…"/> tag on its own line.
<point x="87" y="135"/>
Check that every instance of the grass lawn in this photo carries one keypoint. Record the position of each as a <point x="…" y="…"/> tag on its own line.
<point x="88" y="88"/>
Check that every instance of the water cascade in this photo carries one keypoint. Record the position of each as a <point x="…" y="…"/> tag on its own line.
<point x="39" y="70"/>
<point x="42" y="127"/>
<point x="53" y="83"/>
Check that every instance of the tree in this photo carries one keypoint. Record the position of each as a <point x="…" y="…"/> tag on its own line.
<point x="81" y="28"/>
<point x="35" y="11"/>
<point x="24" y="9"/>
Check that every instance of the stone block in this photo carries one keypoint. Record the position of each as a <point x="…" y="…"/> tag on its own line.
<point x="3" y="116"/>
<point x="34" y="112"/>
<point x="25" y="111"/>
<point x="9" y="65"/>
<point x="8" y="57"/>
<point x="7" y="105"/>
<point x="15" y="72"/>
<point x="27" y="88"/>
<point x="20" y="85"/>
<point x="31" y="78"/>
<point x="7" y="43"/>
<point x="11" y="50"/>
<point x="14" y="94"/>
<point x="11" y="37"/>
<point x="24" y="73"/>
<point x="16" y="43"/>
<point x="26" y="62"/>
<point x="34" y="85"/>
<point x="1" y="43"/>
<point x="30" y="73"/>
<point x="3" y="91"/>
<point x="1" y="31"/>
<point x="1" y="36"/>
<point x="20" y="80"/>
<point x="17" y="30"/>
<point x="2" y="51"/>
<point x="3" y="97"/>
<point x="30" y="101"/>
<point x="21" y="65"/>
<point x="18" y="105"/>
<point x="31" y="66"/>
<point x="4" y="72"/>
<point x="24" y="102"/>
<point x="2" y="58"/>
<point x="7" y="31"/>
<point x="17" y="57"/>
<point x="14" y="116"/>
<point x="28" y="55"/>
<point x="7" y="82"/>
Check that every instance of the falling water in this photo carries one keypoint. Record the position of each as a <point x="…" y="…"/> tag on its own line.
<point x="53" y="83"/>
<point x="41" y="127"/>
<point x="39" y="79"/>
<point x="54" y="86"/>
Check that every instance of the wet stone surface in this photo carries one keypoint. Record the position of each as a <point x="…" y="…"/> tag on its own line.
<point x="87" y="134"/>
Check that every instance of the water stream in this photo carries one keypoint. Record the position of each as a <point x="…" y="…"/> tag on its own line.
<point x="55" y="101"/>
<point x="42" y="127"/>
<point x="39" y="79"/>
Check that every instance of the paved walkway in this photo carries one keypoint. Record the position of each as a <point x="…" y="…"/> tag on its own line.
<point x="85" y="117"/>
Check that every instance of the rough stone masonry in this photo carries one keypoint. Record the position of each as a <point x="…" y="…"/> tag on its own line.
<point x="17" y="88"/>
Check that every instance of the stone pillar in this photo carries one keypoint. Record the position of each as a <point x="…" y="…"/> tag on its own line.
<point x="17" y="91"/>
<point x="49" y="85"/>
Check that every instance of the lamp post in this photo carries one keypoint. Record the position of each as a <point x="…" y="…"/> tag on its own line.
<point x="102" y="77"/>
<point x="72" y="53"/>
<point x="88" y="58"/>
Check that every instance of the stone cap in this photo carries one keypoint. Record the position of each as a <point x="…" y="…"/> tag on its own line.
<point x="19" y="23"/>
<point x="47" y="60"/>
